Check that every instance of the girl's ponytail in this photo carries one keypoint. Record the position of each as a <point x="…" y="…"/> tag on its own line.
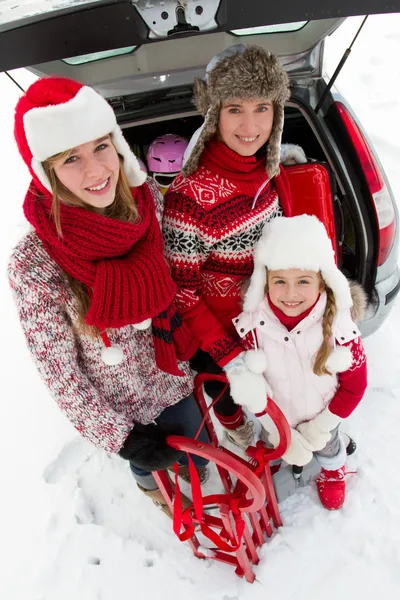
<point x="325" y="348"/>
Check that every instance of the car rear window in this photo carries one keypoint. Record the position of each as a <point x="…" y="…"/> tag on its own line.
<point x="86" y="58"/>
<point x="277" y="28"/>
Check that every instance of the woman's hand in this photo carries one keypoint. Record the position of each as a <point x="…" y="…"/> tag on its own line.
<point x="146" y="446"/>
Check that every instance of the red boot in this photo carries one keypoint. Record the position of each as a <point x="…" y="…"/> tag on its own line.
<point x="331" y="488"/>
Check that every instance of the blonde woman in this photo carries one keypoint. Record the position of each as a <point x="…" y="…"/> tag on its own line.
<point x="93" y="291"/>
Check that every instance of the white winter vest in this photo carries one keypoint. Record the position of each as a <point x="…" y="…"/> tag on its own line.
<point x="299" y="393"/>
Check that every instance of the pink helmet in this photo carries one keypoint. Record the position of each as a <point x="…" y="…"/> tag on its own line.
<point x="165" y="157"/>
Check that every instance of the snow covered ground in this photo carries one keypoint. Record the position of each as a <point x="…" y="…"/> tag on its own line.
<point x="73" y="525"/>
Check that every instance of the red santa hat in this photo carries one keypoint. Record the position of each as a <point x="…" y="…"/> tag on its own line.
<point x="56" y="114"/>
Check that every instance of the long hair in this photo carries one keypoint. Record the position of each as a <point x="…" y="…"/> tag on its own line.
<point x="123" y="209"/>
<point x="325" y="349"/>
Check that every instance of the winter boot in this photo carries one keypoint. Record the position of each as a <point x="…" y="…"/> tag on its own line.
<point x="246" y="434"/>
<point x="331" y="488"/>
<point x="158" y="499"/>
<point x="183" y="472"/>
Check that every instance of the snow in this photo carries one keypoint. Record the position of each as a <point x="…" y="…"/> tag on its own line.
<point x="73" y="524"/>
<point x="13" y="11"/>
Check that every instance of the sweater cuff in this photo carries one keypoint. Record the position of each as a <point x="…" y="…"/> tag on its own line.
<point x="232" y="354"/>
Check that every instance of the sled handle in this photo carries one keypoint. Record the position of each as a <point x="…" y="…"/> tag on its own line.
<point x="272" y="410"/>
<point x="229" y="462"/>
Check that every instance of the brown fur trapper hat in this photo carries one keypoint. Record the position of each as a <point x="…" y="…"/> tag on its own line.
<point x="245" y="72"/>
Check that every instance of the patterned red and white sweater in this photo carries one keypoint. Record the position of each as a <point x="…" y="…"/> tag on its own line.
<point x="101" y="401"/>
<point x="212" y="221"/>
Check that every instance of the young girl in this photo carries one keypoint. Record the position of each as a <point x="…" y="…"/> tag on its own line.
<point x="93" y="291"/>
<point x="231" y="185"/>
<point x="301" y="308"/>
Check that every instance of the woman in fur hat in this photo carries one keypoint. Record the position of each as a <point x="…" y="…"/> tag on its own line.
<point x="301" y="309"/>
<point x="94" y="294"/>
<point x="230" y="186"/>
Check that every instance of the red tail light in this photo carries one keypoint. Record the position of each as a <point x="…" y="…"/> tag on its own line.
<point x="380" y="195"/>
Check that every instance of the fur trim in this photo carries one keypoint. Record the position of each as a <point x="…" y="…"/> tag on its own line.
<point x="255" y="291"/>
<point x="339" y="360"/>
<point x="53" y="129"/>
<point x="85" y="117"/>
<point x="292" y="154"/>
<point x="207" y="131"/>
<point x="359" y="298"/>
<point x="255" y="361"/>
<point x="201" y="97"/>
<point x="247" y="73"/>
<point x="134" y="173"/>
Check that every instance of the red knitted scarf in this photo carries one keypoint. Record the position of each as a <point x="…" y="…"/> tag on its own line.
<point x="218" y="158"/>
<point x="123" y="266"/>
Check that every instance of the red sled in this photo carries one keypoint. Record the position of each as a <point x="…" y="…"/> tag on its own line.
<point x="248" y="510"/>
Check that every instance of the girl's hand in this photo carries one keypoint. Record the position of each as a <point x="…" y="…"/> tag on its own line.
<point x="247" y="388"/>
<point x="299" y="452"/>
<point x="318" y="431"/>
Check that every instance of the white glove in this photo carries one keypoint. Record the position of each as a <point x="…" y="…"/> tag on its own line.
<point x="247" y="389"/>
<point x="318" y="431"/>
<point x="142" y="325"/>
<point x="299" y="452"/>
<point x="292" y="155"/>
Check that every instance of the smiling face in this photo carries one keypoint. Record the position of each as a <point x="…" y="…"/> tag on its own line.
<point x="245" y="125"/>
<point x="294" y="291"/>
<point x="90" y="172"/>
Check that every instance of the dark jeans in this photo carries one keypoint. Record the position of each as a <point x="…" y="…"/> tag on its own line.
<point x="203" y="363"/>
<point x="186" y="413"/>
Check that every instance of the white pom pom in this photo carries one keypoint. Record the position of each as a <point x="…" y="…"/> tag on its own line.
<point x="339" y="360"/>
<point x="255" y="361"/>
<point x="112" y="355"/>
<point x="143" y="325"/>
<point x="291" y="154"/>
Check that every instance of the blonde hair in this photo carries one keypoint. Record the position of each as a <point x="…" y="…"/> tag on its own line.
<point x="325" y="348"/>
<point x="324" y="351"/>
<point x="123" y="209"/>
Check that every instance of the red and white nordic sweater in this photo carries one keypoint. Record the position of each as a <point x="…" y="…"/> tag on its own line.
<point x="101" y="401"/>
<point x="210" y="228"/>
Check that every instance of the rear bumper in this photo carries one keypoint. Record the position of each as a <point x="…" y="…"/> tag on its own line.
<point x="385" y="293"/>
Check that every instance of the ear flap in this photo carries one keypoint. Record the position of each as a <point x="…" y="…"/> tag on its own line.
<point x="255" y="292"/>
<point x="274" y="142"/>
<point x="201" y="97"/>
<point x="205" y="133"/>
